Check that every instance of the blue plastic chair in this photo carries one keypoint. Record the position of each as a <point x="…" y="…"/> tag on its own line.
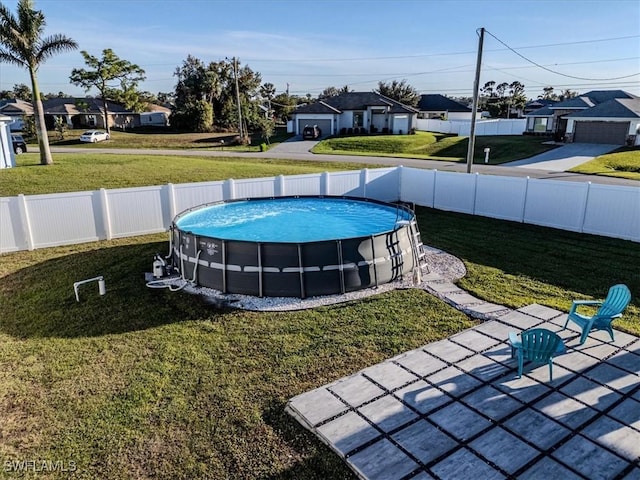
<point x="611" y="308"/>
<point x="537" y="345"/>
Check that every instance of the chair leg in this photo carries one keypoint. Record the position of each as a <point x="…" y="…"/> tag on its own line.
<point x="551" y="370"/>
<point x="585" y="334"/>
<point x="610" y="330"/>
<point x="520" y="364"/>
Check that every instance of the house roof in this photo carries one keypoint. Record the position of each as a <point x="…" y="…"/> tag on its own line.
<point x="438" y="103"/>
<point x="74" y="106"/>
<point x="592" y="98"/>
<point x="539" y="103"/>
<point x="16" y="106"/>
<point x="541" y="112"/>
<point x="355" y="101"/>
<point x="615" y="108"/>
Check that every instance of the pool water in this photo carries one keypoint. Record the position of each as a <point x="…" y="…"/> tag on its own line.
<point x="292" y="219"/>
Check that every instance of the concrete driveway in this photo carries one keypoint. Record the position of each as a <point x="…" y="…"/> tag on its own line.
<point x="564" y="158"/>
<point x="295" y="145"/>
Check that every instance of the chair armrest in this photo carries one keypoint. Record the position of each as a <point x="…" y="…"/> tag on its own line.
<point x="577" y="303"/>
<point x="514" y="340"/>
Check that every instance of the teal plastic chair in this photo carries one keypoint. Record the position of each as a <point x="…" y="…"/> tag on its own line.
<point x="611" y="308"/>
<point x="537" y="345"/>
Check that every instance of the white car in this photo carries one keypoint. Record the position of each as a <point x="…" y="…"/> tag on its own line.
<point x="93" y="136"/>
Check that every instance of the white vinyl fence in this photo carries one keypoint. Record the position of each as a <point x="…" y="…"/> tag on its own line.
<point x="28" y="222"/>
<point x="498" y="126"/>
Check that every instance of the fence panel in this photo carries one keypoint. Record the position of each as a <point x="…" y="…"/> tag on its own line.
<point x="501" y="197"/>
<point x="309" y="184"/>
<point x="382" y="184"/>
<point x="613" y="211"/>
<point x="417" y="186"/>
<point x="138" y="211"/>
<point x="64" y="218"/>
<point x="455" y="192"/>
<point x="344" y="183"/>
<point x="12" y="230"/>
<point x="556" y="204"/>
<point x="188" y="195"/>
<point x="255" y="187"/>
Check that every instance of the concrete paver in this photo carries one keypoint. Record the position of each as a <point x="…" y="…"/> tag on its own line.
<point x="454" y="408"/>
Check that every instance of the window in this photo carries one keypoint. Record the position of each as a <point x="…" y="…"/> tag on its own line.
<point x="358" y="119"/>
<point x="540" y="124"/>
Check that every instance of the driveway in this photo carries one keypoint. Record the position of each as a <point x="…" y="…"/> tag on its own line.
<point x="564" y="158"/>
<point x="295" y="145"/>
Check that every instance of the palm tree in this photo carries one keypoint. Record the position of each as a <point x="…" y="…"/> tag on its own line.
<point x="22" y="44"/>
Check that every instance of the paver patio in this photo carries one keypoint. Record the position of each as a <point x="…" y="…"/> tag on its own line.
<point x="453" y="409"/>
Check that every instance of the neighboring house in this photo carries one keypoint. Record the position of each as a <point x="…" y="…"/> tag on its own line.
<point x="7" y="157"/>
<point x="598" y="116"/>
<point x="87" y="113"/>
<point x="355" y="112"/>
<point x="155" y="116"/>
<point x="443" y="108"/>
<point x="15" y="109"/>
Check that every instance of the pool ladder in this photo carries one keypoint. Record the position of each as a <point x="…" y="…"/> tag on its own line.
<point x="420" y="256"/>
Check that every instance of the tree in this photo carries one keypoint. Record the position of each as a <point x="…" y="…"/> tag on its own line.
<point x="567" y="94"/>
<point x="60" y="126"/>
<point x="111" y="76"/>
<point x="22" y="92"/>
<point x="548" y="94"/>
<point x="400" y="91"/>
<point x="22" y="44"/>
<point x="517" y="99"/>
<point x="333" y="92"/>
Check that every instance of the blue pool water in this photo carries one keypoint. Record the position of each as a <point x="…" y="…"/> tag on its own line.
<point x="292" y="219"/>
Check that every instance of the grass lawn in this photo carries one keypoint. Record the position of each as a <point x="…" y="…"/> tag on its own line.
<point x="82" y="171"/>
<point x="157" y="138"/>
<point x="436" y="146"/>
<point x="144" y="383"/>
<point x="623" y="163"/>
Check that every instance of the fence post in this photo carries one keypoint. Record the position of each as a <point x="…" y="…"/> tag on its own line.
<point x="26" y="223"/>
<point x="229" y="190"/>
<point x="281" y="189"/>
<point x="325" y="183"/>
<point x="364" y="180"/>
<point x="106" y="214"/>
<point x="475" y="194"/>
<point x="524" y="200"/>
<point x="433" y="195"/>
<point x="584" y="210"/>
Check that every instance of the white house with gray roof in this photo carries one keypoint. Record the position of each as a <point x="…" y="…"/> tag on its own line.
<point x="355" y="113"/>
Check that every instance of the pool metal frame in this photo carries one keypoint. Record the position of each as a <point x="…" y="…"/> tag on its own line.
<point x="297" y="269"/>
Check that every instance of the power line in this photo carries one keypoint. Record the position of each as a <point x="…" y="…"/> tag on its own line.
<point x="556" y="72"/>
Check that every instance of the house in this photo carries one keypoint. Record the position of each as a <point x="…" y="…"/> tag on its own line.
<point x="355" y="112"/>
<point x="87" y="113"/>
<point x="443" y="108"/>
<point x="7" y="157"/>
<point x="16" y="110"/>
<point x="155" y="116"/>
<point x="533" y="105"/>
<point x="598" y="116"/>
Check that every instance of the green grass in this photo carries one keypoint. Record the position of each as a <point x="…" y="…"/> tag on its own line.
<point x="157" y="138"/>
<point x="84" y="171"/>
<point x="144" y="383"/>
<point x="436" y="146"/>
<point x="623" y="163"/>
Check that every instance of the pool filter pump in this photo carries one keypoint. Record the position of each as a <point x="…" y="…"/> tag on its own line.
<point x="159" y="266"/>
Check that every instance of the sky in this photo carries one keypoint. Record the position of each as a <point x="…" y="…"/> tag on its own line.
<point x="309" y="45"/>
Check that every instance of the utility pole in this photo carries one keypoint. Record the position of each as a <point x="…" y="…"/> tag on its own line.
<point x="474" y="109"/>
<point x="235" y="74"/>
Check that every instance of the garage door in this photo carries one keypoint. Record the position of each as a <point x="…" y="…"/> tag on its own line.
<point x="614" y="133"/>
<point x="324" y="125"/>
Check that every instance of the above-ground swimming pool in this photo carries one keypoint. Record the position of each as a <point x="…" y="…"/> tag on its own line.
<point x="295" y="246"/>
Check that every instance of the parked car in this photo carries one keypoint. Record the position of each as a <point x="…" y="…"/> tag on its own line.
<point x="93" y="136"/>
<point x="311" y="132"/>
<point x="19" y="145"/>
